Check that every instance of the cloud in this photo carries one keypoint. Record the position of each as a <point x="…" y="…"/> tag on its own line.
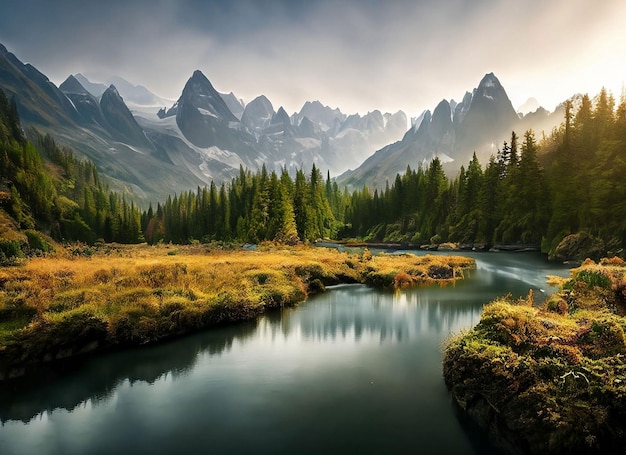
<point x="357" y="55"/>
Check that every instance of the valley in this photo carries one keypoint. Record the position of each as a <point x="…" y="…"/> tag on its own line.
<point x="211" y="264"/>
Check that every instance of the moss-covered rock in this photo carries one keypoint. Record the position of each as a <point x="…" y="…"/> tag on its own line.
<point x="578" y="247"/>
<point x="549" y="380"/>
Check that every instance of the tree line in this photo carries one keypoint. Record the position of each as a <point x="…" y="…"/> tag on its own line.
<point x="528" y="193"/>
<point x="46" y="187"/>
<point x="253" y="207"/>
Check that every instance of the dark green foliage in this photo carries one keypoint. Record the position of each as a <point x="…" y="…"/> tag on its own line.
<point x="591" y="279"/>
<point x="10" y="252"/>
<point x="253" y="208"/>
<point x="37" y="243"/>
<point x="47" y="188"/>
<point x="529" y="194"/>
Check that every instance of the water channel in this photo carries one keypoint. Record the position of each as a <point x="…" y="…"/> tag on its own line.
<point x="354" y="370"/>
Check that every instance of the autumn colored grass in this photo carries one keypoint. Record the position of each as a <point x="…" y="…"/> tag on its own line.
<point x="550" y="379"/>
<point x="89" y="299"/>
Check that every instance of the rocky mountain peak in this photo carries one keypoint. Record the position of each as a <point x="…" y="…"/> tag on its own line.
<point x="72" y="85"/>
<point x="125" y="127"/>
<point x="258" y="113"/>
<point x="281" y="117"/>
<point x="200" y="94"/>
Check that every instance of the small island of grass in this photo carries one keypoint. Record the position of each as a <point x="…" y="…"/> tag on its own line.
<point x="553" y="379"/>
<point x="60" y="307"/>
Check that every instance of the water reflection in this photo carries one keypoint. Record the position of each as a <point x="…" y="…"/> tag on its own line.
<point x="356" y="370"/>
<point x="346" y="313"/>
<point x="351" y="313"/>
<point x="95" y="380"/>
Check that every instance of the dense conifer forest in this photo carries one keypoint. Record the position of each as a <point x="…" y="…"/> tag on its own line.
<point x="531" y="193"/>
<point x="47" y="188"/>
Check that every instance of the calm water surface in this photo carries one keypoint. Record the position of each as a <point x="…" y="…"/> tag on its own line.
<point x="355" y="370"/>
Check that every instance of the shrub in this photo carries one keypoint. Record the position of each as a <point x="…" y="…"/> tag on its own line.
<point x="37" y="243"/>
<point x="10" y="249"/>
<point x="588" y="278"/>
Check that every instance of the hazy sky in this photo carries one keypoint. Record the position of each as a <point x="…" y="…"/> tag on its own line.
<point x="358" y="55"/>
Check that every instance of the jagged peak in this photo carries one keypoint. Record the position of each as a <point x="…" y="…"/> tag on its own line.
<point x="261" y="99"/>
<point x="443" y="104"/>
<point x="280" y="117"/>
<point x="112" y="90"/>
<point x="199" y="80"/>
<point x="488" y="80"/>
<point x="72" y="85"/>
<point x="197" y="74"/>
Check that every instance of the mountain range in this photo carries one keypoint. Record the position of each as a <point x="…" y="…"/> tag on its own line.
<point x="151" y="150"/>
<point x="453" y="132"/>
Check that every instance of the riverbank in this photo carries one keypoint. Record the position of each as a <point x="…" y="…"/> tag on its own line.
<point x="548" y="380"/>
<point x="83" y="302"/>
<point x="446" y="246"/>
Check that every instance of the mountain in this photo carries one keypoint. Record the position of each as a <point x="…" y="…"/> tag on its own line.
<point x="531" y="105"/>
<point x="489" y="119"/>
<point x="324" y="116"/>
<point x="480" y="123"/>
<point x="200" y="111"/>
<point x="281" y="118"/>
<point x="38" y="100"/>
<point x="84" y="102"/>
<point x="110" y="116"/>
<point x="206" y="135"/>
<point x="136" y="97"/>
<point x="76" y="119"/>
<point x="356" y="137"/>
<point x="258" y="114"/>
<point x="123" y="125"/>
<point x="95" y="88"/>
<point x="235" y="104"/>
<point x="203" y="136"/>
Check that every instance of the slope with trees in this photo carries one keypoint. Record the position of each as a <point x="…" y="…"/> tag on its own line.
<point x="535" y="194"/>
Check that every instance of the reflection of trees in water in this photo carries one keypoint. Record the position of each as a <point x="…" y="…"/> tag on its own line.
<point x="355" y="312"/>
<point x="97" y="379"/>
<point x="345" y="313"/>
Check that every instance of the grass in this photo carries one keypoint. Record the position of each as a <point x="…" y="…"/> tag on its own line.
<point x="550" y="379"/>
<point x="70" y="303"/>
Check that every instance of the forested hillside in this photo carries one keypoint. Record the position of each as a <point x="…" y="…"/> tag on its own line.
<point x="46" y="188"/>
<point x="530" y="193"/>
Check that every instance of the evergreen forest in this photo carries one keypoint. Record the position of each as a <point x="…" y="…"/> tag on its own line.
<point x="532" y="192"/>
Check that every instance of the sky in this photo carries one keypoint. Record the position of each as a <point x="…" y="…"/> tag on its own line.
<point x="358" y="55"/>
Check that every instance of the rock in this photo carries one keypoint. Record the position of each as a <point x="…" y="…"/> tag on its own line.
<point x="578" y="247"/>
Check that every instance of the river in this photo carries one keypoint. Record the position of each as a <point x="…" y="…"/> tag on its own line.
<point x="354" y="370"/>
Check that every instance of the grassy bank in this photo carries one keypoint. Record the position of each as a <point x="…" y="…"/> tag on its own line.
<point x="82" y="301"/>
<point x="551" y="379"/>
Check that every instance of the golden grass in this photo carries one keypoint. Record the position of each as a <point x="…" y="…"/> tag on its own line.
<point x="145" y="293"/>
